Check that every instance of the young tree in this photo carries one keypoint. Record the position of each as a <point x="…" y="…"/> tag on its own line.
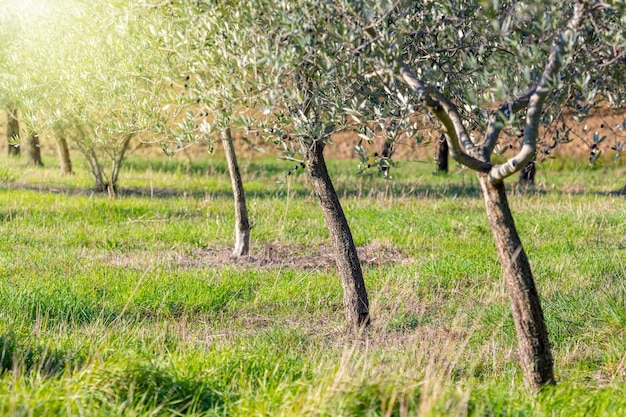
<point x="63" y="150"/>
<point x="208" y="73"/>
<point x="267" y="62"/>
<point x="496" y="68"/>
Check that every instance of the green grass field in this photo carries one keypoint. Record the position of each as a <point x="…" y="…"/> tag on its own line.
<point x="130" y="306"/>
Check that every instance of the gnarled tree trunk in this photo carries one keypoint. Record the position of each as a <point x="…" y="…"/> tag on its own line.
<point x="13" y="132"/>
<point x="534" y="347"/>
<point x="355" y="297"/>
<point x="33" y="150"/>
<point x="242" y="224"/>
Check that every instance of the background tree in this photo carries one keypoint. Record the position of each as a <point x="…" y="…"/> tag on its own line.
<point x="527" y="174"/>
<point x="9" y="29"/>
<point x="102" y="91"/>
<point x="441" y="155"/>
<point x="13" y="132"/>
<point x="32" y="147"/>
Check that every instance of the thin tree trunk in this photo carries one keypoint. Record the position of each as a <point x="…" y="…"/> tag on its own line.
<point x="527" y="174"/>
<point x="355" y="297"/>
<point x="33" y="150"/>
<point x="118" y="161"/>
<point x="96" y="170"/>
<point x="13" y="132"/>
<point x="534" y="347"/>
<point x="64" y="156"/>
<point x="242" y="224"/>
<point x="443" y="154"/>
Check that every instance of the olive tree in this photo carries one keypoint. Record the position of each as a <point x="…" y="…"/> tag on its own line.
<point x="208" y="47"/>
<point x="485" y="69"/>
<point x="279" y="66"/>
<point x="116" y="85"/>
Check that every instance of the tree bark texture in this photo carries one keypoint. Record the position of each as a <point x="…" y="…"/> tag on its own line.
<point x="63" y="152"/>
<point x="443" y="154"/>
<point x="534" y="347"/>
<point x="527" y="174"/>
<point x="13" y="132"/>
<point x="355" y="297"/>
<point x="32" y="149"/>
<point x="242" y="224"/>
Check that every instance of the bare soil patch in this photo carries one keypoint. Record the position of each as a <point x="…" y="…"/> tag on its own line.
<point x="268" y="256"/>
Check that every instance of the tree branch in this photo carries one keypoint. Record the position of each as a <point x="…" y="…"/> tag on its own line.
<point x="461" y="147"/>
<point x="537" y="98"/>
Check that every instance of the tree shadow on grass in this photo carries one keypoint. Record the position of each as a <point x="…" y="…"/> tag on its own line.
<point x="388" y="190"/>
<point x="59" y="306"/>
<point x="155" y="386"/>
<point x="17" y="354"/>
<point x="398" y="190"/>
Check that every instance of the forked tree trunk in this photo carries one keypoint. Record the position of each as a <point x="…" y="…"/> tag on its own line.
<point x="442" y="156"/>
<point x="64" y="156"/>
<point x="534" y="347"/>
<point x="242" y="224"/>
<point x="13" y="132"/>
<point x="33" y="150"/>
<point x="355" y="298"/>
<point x="527" y="174"/>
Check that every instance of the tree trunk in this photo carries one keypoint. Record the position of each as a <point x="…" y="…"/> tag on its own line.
<point x="534" y="347"/>
<point x="354" y="292"/>
<point x="443" y="155"/>
<point x="96" y="170"/>
<point x="118" y="160"/>
<point x="386" y="150"/>
<point x="64" y="156"/>
<point x="527" y="174"/>
<point x="33" y="150"/>
<point x="242" y="225"/>
<point x="13" y="132"/>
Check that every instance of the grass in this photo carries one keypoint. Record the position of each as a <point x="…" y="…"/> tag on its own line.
<point x="111" y="306"/>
